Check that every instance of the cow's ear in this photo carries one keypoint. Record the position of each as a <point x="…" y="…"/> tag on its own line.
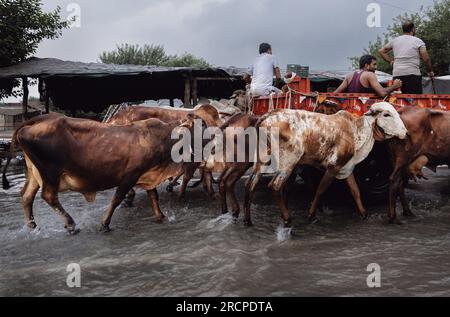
<point x="372" y="112"/>
<point x="436" y="112"/>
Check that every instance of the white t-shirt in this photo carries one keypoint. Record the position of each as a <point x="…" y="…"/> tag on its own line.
<point x="406" y="54"/>
<point x="262" y="74"/>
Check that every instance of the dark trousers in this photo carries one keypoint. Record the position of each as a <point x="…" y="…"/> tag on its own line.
<point x="411" y="84"/>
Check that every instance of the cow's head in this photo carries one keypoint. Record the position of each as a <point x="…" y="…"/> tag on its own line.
<point x="208" y="114"/>
<point x="239" y="100"/>
<point x="388" y="123"/>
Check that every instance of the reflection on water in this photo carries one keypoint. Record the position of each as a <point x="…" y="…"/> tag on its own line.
<point x="202" y="253"/>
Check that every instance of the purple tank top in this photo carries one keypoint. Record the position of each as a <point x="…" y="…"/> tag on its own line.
<point x="355" y="85"/>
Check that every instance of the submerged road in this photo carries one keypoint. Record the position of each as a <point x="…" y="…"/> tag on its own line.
<point x="198" y="252"/>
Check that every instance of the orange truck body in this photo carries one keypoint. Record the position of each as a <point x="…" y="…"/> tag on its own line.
<point x="300" y="97"/>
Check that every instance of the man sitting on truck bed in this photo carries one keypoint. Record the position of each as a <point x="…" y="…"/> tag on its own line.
<point x="262" y="71"/>
<point x="365" y="80"/>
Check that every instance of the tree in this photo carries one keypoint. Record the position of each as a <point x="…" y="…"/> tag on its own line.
<point x="149" y="55"/>
<point x="135" y="55"/>
<point x="433" y="27"/>
<point x="23" y="25"/>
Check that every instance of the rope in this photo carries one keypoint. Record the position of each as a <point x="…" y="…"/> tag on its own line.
<point x="290" y="99"/>
<point x="271" y="108"/>
<point x="250" y="103"/>
<point x="312" y="95"/>
<point x="113" y="110"/>
<point x="317" y="103"/>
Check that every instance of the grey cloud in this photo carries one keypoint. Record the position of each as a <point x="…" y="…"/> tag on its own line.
<point x="321" y="33"/>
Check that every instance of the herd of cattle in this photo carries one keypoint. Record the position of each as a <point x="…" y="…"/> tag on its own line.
<point x="134" y="149"/>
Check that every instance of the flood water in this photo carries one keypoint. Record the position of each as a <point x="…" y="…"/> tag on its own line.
<point x="201" y="253"/>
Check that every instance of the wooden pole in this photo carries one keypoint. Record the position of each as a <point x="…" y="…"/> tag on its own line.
<point x="172" y="103"/>
<point x="194" y="91"/>
<point x="47" y="104"/>
<point x="25" y="97"/>
<point x="187" y="93"/>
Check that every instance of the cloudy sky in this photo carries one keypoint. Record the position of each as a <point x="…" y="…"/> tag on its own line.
<point x="318" y="33"/>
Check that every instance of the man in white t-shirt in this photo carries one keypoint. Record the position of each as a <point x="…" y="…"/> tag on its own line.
<point x="263" y="70"/>
<point x="408" y="49"/>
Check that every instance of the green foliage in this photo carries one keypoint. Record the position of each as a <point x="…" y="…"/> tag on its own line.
<point x="127" y="54"/>
<point x="373" y="49"/>
<point x="23" y="25"/>
<point x="149" y="55"/>
<point x="433" y="27"/>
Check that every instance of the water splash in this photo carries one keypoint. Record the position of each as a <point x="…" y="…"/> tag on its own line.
<point x="220" y="222"/>
<point x="171" y="217"/>
<point x="283" y="234"/>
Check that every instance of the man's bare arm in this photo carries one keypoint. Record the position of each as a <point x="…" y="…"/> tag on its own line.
<point x="384" y="52"/>
<point x="277" y="73"/>
<point x="247" y="78"/>
<point x="380" y="90"/>
<point x="343" y="87"/>
<point x="426" y="58"/>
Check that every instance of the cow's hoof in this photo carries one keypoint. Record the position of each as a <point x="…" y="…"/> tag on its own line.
<point x="127" y="204"/>
<point x="365" y="217"/>
<point x="161" y="219"/>
<point x="248" y="223"/>
<point x="313" y="220"/>
<point x="395" y="221"/>
<point x="287" y="223"/>
<point x="104" y="229"/>
<point x="408" y="214"/>
<point x="32" y="225"/>
<point x="72" y="230"/>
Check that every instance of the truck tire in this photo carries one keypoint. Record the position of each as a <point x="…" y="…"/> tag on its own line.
<point x="372" y="176"/>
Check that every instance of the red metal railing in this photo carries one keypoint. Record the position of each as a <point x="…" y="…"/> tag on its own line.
<point x="300" y="97"/>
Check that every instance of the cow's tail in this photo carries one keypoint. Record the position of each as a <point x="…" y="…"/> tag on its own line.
<point x="12" y="149"/>
<point x="260" y="132"/>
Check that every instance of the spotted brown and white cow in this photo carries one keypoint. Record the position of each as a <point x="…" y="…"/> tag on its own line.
<point x="334" y="143"/>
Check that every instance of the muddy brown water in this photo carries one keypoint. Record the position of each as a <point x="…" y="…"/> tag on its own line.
<point x="199" y="252"/>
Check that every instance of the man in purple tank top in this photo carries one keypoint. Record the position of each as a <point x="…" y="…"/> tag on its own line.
<point x="365" y="80"/>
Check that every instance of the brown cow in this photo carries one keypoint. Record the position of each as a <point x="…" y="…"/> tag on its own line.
<point x="66" y="154"/>
<point x="428" y="145"/>
<point x="207" y="113"/>
<point x="231" y="172"/>
<point x="336" y="143"/>
<point x="137" y="113"/>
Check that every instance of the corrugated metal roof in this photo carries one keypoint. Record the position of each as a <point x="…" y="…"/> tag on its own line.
<point x="46" y="67"/>
<point x="341" y="74"/>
